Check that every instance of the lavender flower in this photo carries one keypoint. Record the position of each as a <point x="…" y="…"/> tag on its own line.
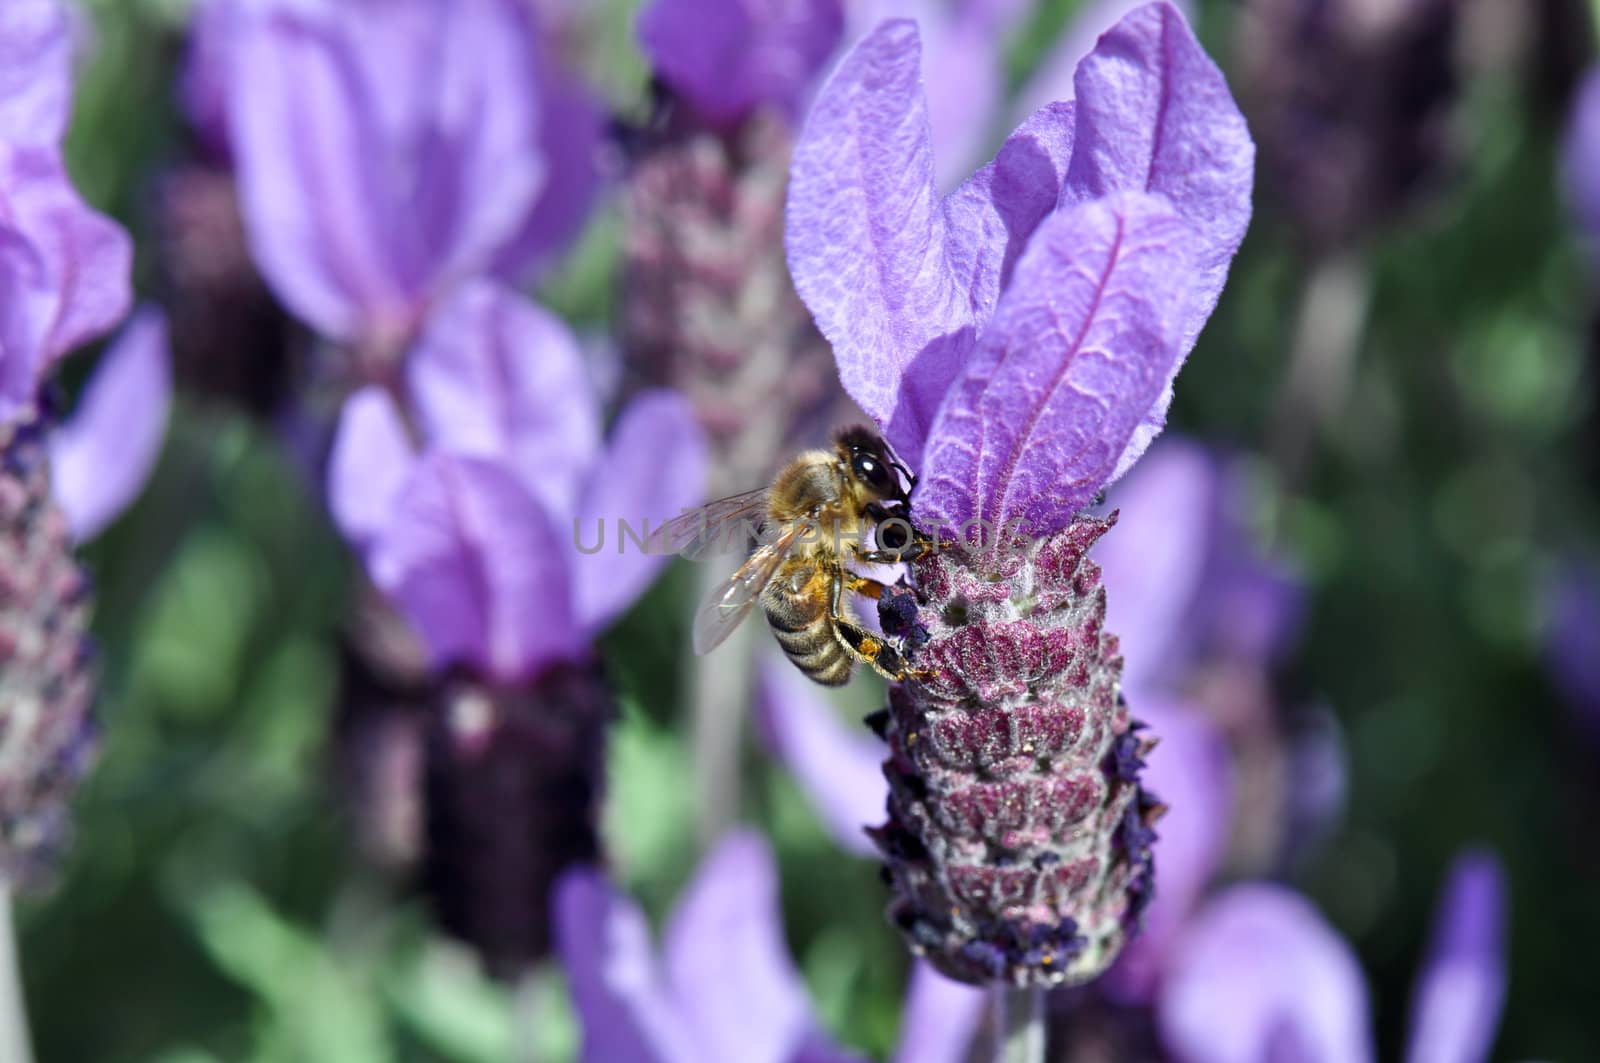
<point x="479" y="540"/>
<point x="1572" y="637"/>
<point x="63" y="281"/>
<point x="1017" y="342"/>
<point x="1580" y="162"/>
<point x="63" y="267"/>
<point x="1354" y="103"/>
<point x="1260" y="975"/>
<point x="727" y="58"/>
<point x="388" y="150"/>
<point x="724" y="990"/>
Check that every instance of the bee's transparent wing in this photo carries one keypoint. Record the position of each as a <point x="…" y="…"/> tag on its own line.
<point x="728" y="525"/>
<point x="730" y="601"/>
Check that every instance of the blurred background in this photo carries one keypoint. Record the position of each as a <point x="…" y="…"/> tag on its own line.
<point x="1400" y="378"/>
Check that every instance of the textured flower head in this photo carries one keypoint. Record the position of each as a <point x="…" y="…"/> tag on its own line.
<point x="387" y="149"/>
<point x="728" y="58"/>
<point x="64" y="269"/>
<point x="724" y="989"/>
<point x="1017" y="339"/>
<point x="475" y="537"/>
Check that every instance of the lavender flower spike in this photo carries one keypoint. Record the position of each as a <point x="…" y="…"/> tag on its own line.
<point x="1017" y="342"/>
<point x="64" y="279"/>
<point x="473" y="540"/>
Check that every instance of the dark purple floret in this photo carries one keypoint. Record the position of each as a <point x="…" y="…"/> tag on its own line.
<point x="897" y="613"/>
<point x="513" y="781"/>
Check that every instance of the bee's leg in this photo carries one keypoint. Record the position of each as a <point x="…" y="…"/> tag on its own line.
<point x="917" y="547"/>
<point x="873" y="650"/>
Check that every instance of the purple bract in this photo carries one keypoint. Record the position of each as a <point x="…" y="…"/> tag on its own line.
<point x="388" y="150"/>
<point x="1129" y="202"/>
<point x="476" y="537"/>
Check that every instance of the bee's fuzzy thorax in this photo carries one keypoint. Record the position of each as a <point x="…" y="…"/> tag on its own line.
<point x="1018" y="840"/>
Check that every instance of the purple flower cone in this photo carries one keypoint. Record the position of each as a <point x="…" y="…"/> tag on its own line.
<point x="1017" y="341"/>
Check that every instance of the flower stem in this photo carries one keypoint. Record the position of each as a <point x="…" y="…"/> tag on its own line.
<point x="1328" y="330"/>
<point x="1019" y="1025"/>
<point x="14" y="1042"/>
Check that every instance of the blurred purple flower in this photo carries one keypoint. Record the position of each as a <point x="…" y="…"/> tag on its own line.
<point x="1129" y="211"/>
<point x="1260" y="975"/>
<point x="1572" y="635"/>
<point x="1183" y="574"/>
<point x="64" y="268"/>
<point x="476" y="539"/>
<point x="728" y="58"/>
<point x="724" y="989"/>
<point x="102" y="454"/>
<point x="1052" y="79"/>
<point x="387" y="150"/>
<point x="1580" y="161"/>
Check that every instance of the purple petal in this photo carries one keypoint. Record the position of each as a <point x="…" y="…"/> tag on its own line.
<point x="65" y="270"/>
<point x="865" y="231"/>
<point x="497" y="376"/>
<point x="965" y="44"/>
<point x="729" y="57"/>
<point x="311" y="173"/>
<point x="1580" y="161"/>
<point x="1191" y="773"/>
<point x="35" y="72"/>
<point x="840" y="768"/>
<point x="1154" y="561"/>
<point x="1456" y="1005"/>
<point x="1155" y="115"/>
<point x="617" y="987"/>
<point x="654" y="468"/>
<point x="369" y="464"/>
<point x="101" y="457"/>
<point x="990" y="218"/>
<point x="203" y="80"/>
<point x="1258" y="971"/>
<point x="1572" y="639"/>
<point x="1052" y="80"/>
<point x="728" y="964"/>
<point x="571" y="134"/>
<point x="384" y="150"/>
<point x="940" y="1018"/>
<point x="1076" y="355"/>
<point x="475" y="564"/>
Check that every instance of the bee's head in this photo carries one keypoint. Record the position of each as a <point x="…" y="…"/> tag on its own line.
<point x="867" y="457"/>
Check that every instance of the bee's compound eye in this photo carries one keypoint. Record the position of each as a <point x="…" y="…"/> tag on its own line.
<point x="871" y="472"/>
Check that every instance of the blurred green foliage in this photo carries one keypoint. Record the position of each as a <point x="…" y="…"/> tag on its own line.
<point x="212" y="908"/>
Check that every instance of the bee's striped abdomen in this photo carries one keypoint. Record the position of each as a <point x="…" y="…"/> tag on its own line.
<point x="796" y="604"/>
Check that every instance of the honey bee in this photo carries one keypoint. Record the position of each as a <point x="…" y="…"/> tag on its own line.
<point x="817" y="510"/>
